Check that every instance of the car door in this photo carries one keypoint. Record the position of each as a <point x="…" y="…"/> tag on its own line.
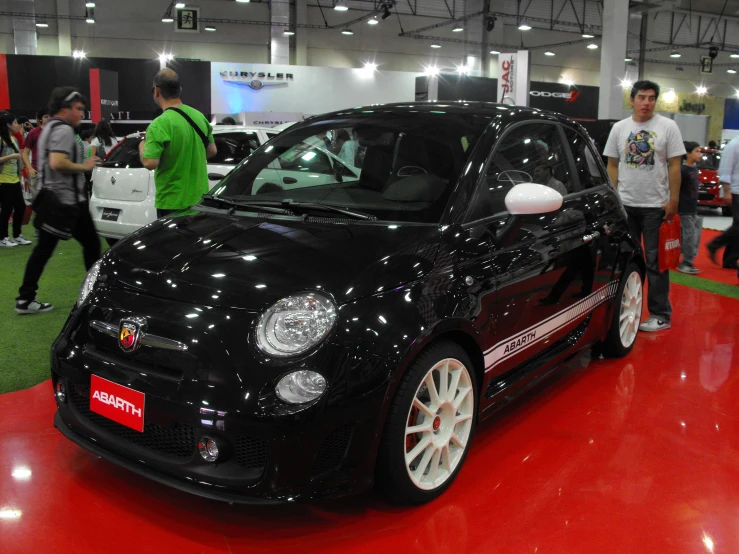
<point x="122" y="176"/>
<point x="544" y="271"/>
<point x="231" y="148"/>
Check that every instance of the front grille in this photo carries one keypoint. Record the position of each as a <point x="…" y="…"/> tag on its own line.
<point x="250" y="453"/>
<point x="705" y="196"/>
<point x="177" y="441"/>
<point x="333" y="451"/>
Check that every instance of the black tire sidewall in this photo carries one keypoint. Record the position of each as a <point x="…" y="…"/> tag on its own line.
<point x="612" y="347"/>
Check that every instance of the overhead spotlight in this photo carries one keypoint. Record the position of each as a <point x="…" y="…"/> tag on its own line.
<point x="372" y="21"/>
<point x="347" y="32"/>
<point x="586" y="35"/>
<point x="701" y="90"/>
<point x="567" y="81"/>
<point x="592" y="46"/>
<point x="210" y="28"/>
<point x="669" y="96"/>
<point x="78" y="54"/>
<point x="675" y="54"/>
<point x="386" y="13"/>
<point x="735" y="55"/>
<point x="736" y="93"/>
<point x="495" y="52"/>
<point x="524" y="26"/>
<point x="340" y="7"/>
<point x="490" y="22"/>
<point x="435" y="45"/>
<point x="243" y="1"/>
<point x="463" y="69"/>
<point x="625" y="83"/>
<point x="457" y="29"/>
<point x="167" y="17"/>
<point x="179" y="5"/>
<point x="163" y="57"/>
<point x="89" y="4"/>
<point x="90" y="16"/>
<point x="42" y="24"/>
<point x="288" y="33"/>
<point x="628" y="59"/>
<point x="548" y="53"/>
<point x="732" y="71"/>
<point x="431" y="70"/>
<point x="370" y="67"/>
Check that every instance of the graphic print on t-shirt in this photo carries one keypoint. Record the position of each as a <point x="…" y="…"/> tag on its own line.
<point x="640" y="150"/>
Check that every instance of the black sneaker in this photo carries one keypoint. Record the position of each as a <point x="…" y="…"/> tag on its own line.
<point x="33" y="307"/>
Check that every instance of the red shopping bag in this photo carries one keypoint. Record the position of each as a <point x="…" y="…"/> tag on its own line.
<point x="669" y="244"/>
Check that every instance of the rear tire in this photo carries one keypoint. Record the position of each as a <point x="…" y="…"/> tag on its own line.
<point x="626" y="314"/>
<point x="437" y="401"/>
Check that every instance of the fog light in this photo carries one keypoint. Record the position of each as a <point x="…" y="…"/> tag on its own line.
<point x="61" y="393"/>
<point x="208" y="449"/>
<point x="301" y="386"/>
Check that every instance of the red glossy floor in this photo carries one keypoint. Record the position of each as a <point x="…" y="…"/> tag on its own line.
<point x="632" y="455"/>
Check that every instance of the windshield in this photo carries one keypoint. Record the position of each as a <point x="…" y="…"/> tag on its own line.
<point x="709" y="160"/>
<point x="399" y="166"/>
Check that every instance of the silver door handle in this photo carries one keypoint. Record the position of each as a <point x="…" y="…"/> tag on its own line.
<point x="591" y="237"/>
<point x="112" y="180"/>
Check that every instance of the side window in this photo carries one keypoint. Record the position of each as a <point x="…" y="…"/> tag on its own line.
<point x="126" y="154"/>
<point x="304" y="158"/>
<point x="587" y="168"/>
<point x="531" y="153"/>
<point x="233" y="147"/>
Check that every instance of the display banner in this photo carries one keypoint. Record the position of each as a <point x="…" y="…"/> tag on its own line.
<point x="522" y="72"/>
<point x="242" y="87"/>
<point x="577" y="102"/>
<point x="103" y="94"/>
<point x="506" y="78"/>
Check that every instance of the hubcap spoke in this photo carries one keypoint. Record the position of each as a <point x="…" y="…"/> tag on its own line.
<point x="434" y="471"/>
<point x="446" y="458"/>
<point x="462" y="418"/>
<point x="456" y="375"/>
<point x="443" y="381"/>
<point x="421" y="469"/>
<point x="463" y="392"/>
<point x="423" y="428"/>
<point x="456" y="440"/>
<point x="423" y="408"/>
<point x="413" y="454"/>
<point x="433" y="394"/>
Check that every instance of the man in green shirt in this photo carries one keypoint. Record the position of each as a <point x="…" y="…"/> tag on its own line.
<point x="175" y="148"/>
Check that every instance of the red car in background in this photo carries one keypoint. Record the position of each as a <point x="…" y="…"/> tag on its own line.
<point x="709" y="193"/>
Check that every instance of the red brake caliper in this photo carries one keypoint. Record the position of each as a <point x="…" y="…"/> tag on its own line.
<point x="411" y="440"/>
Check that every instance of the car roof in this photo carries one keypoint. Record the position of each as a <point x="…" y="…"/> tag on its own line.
<point x="217" y="129"/>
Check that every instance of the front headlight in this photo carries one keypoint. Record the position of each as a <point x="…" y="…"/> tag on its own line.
<point x="89" y="282"/>
<point x="295" y="324"/>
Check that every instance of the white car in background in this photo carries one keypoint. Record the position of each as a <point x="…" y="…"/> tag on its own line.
<point x="123" y="189"/>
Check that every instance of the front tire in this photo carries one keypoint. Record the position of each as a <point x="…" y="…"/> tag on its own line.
<point x="429" y="426"/>
<point x="626" y="314"/>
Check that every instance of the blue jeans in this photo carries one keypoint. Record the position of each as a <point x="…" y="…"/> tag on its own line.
<point x="645" y="223"/>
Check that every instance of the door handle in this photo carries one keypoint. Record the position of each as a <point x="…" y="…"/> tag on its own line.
<point x="112" y="180"/>
<point x="591" y="237"/>
<point x="289" y="180"/>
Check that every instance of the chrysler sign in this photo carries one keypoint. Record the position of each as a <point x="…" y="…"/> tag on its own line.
<point x="255" y="79"/>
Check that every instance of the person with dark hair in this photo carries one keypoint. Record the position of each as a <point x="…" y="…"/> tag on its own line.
<point x="29" y="147"/>
<point x="712" y="144"/>
<point x="61" y="166"/>
<point x="103" y="138"/>
<point x="644" y="153"/>
<point x="728" y="176"/>
<point x="177" y="146"/>
<point x="26" y="126"/>
<point x="691" y="224"/>
<point x="11" y="194"/>
<point x="228" y="121"/>
<point x="544" y="176"/>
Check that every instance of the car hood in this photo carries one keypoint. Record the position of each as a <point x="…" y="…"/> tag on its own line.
<point x="217" y="260"/>
<point x="708" y="176"/>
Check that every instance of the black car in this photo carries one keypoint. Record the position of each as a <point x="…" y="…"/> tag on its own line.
<point x="322" y="321"/>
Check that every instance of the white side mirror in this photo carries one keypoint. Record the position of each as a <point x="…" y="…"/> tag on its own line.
<point x="531" y="198"/>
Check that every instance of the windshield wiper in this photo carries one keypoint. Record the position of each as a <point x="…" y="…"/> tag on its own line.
<point x="249" y="205"/>
<point x="289" y="204"/>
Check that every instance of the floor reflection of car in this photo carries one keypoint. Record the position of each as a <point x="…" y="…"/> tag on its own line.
<point x="123" y="190"/>
<point x="311" y="338"/>
<point x="710" y="192"/>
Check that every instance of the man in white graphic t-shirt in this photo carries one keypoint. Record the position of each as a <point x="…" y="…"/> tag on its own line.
<point x="644" y="155"/>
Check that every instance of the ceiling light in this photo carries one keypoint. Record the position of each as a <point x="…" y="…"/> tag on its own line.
<point x="567" y="81"/>
<point x="386" y="13"/>
<point x="373" y="21"/>
<point x="625" y="83"/>
<point x="494" y="52"/>
<point x="734" y="55"/>
<point x="524" y="26"/>
<point x="736" y="93"/>
<point x="431" y="70"/>
<point x="166" y="57"/>
<point x="370" y="67"/>
<point x="179" y="5"/>
<point x="463" y="69"/>
<point x="210" y="28"/>
<point x="675" y="54"/>
<point x="548" y="53"/>
<point x="592" y="46"/>
<point x="243" y="1"/>
<point x="288" y="32"/>
<point x="42" y="24"/>
<point x="89" y="4"/>
<point x="701" y="90"/>
<point x="585" y="35"/>
<point x="435" y="45"/>
<point x="457" y="29"/>
<point x="347" y="32"/>
<point x="167" y="19"/>
<point x="628" y="59"/>
<point x="78" y="54"/>
<point x="90" y="19"/>
<point x="731" y="71"/>
<point x="340" y="7"/>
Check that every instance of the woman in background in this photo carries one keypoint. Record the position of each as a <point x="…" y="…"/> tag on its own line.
<point x="11" y="194"/>
<point x="103" y="136"/>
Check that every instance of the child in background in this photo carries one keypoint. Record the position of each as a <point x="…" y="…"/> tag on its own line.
<point x="691" y="224"/>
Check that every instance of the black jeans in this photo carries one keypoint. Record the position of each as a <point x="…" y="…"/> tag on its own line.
<point x="11" y="202"/>
<point x="730" y="237"/>
<point x="84" y="233"/>
<point x="161" y="213"/>
<point x="645" y="222"/>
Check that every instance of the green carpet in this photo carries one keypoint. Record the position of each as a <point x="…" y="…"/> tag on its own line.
<point x="25" y="341"/>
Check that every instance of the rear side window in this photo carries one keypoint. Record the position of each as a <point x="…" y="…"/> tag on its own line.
<point x="585" y="164"/>
<point x="126" y="154"/>
<point x="233" y="147"/>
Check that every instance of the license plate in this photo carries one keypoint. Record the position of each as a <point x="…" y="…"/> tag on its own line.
<point x="110" y="214"/>
<point x="116" y="402"/>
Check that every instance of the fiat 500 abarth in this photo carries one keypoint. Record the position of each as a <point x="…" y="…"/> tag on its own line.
<point x="279" y="342"/>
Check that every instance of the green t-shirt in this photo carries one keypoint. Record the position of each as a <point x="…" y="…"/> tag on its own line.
<point x="182" y="175"/>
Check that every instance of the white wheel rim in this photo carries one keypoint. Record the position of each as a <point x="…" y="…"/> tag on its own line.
<point x="630" y="313"/>
<point x="438" y="424"/>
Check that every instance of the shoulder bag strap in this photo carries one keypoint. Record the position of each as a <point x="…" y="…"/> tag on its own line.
<point x="193" y="125"/>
